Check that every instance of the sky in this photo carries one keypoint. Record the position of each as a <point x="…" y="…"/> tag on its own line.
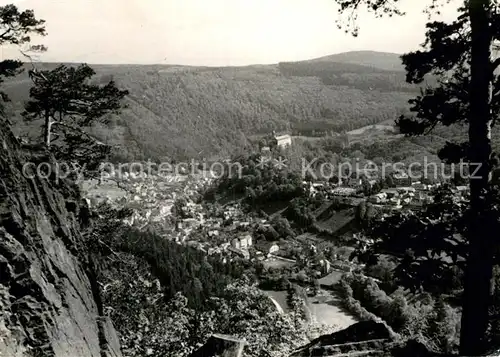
<point x="213" y="32"/>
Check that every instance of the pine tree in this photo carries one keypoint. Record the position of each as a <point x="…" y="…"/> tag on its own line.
<point x="67" y="103"/>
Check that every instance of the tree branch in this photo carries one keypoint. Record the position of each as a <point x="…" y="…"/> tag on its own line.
<point x="5" y="33"/>
<point x="495" y="64"/>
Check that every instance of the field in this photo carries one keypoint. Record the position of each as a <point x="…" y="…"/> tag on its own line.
<point x="376" y="127"/>
<point x="338" y="221"/>
<point x="325" y="308"/>
<point x="331" y="278"/>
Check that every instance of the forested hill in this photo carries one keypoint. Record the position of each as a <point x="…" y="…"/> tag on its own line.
<point x="381" y="60"/>
<point x="180" y="111"/>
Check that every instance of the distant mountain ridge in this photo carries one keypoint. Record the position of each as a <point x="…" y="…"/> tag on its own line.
<point x="386" y="61"/>
<point x="179" y="111"/>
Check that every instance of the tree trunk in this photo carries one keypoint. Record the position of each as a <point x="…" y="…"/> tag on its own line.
<point x="479" y="270"/>
<point x="47" y="127"/>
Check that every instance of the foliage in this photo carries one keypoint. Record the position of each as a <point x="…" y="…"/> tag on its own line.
<point x="178" y="209"/>
<point x="433" y="245"/>
<point x="447" y="103"/>
<point x="467" y="94"/>
<point x="352" y="305"/>
<point x="180" y="268"/>
<point x="276" y="282"/>
<point x="249" y="313"/>
<point x="150" y="324"/>
<point x="431" y="257"/>
<point x="217" y="111"/>
<point x="260" y="184"/>
<point x="459" y="54"/>
<point x="351" y="75"/>
<point x="384" y="272"/>
<point x="439" y="269"/>
<point x="436" y="323"/>
<point x="299" y="211"/>
<point x="282" y="226"/>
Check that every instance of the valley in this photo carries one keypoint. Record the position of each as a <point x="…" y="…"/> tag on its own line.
<point x="181" y="111"/>
<point x="306" y="205"/>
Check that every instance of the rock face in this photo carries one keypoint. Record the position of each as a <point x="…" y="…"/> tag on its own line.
<point x="49" y="300"/>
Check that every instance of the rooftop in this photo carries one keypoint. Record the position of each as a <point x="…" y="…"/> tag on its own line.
<point x="285" y="136"/>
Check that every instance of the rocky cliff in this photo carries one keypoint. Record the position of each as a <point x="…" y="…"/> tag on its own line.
<point x="49" y="299"/>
